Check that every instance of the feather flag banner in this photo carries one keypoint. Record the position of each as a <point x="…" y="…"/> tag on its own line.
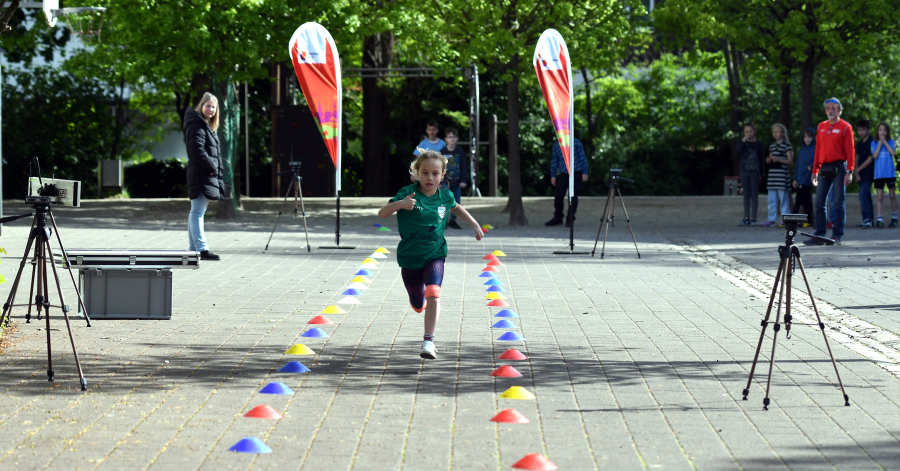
<point x="318" y="69"/>
<point x="553" y="67"/>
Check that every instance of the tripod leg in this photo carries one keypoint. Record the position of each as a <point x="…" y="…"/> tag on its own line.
<point x="69" y="268"/>
<point x="7" y="308"/>
<point x="611" y="218"/>
<point x="602" y="218"/>
<point x="629" y="222"/>
<point x="43" y="302"/>
<point x="764" y="324"/>
<point x="786" y="275"/>
<point x="279" y="214"/>
<point x="303" y="209"/>
<point x="822" y="328"/>
<point x="65" y="310"/>
<point x="31" y="291"/>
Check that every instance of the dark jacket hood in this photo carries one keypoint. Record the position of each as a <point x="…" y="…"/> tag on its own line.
<point x="811" y="144"/>
<point x="192" y="118"/>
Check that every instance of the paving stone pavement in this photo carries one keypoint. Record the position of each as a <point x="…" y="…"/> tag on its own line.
<point x="635" y="363"/>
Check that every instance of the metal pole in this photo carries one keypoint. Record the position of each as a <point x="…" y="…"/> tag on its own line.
<point x="247" y="139"/>
<point x="1" y="146"/>
<point x="492" y="155"/>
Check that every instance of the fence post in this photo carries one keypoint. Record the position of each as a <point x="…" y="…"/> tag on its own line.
<point x="492" y="155"/>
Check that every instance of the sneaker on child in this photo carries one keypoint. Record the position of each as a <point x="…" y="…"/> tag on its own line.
<point x="428" y="350"/>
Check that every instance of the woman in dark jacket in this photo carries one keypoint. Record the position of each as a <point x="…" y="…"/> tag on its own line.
<point x="204" y="169"/>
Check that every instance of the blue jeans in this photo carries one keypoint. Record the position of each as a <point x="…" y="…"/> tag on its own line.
<point x="196" y="237"/>
<point x="865" y="201"/>
<point x="831" y="184"/>
<point x="778" y="199"/>
<point x="457" y="194"/>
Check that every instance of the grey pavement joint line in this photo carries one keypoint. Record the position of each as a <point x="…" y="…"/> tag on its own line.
<point x="856" y="334"/>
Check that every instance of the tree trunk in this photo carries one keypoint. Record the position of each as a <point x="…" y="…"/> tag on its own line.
<point x="378" y="52"/>
<point x="588" y="111"/>
<point x="734" y="98"/>
<point x="786" y="101"/>
<point x="514" y="203"/>
<point x="807" y="72"/>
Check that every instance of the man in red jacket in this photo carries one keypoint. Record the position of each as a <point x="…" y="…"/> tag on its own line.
<point x="832" y="169"/>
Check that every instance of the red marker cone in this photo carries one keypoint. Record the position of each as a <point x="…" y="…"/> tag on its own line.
<point x="495" y="263"/>
<point x="263" y="412"/>
<point x="490" y="256"/>
<point x="512" y="354"/>
<point x="506" y="371"/>
<point x="498" y="303"/>
<point x="320" y="320"/>
<point x="535" y="462"/>
<point x="489" y="268"/>
<point x="510" y="416"/>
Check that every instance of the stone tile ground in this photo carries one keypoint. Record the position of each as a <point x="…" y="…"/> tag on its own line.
<point x="635" y="363"/>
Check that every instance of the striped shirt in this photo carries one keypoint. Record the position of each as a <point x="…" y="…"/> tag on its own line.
<point x="779" y="173"/>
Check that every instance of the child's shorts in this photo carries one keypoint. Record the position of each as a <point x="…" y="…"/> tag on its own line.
<point x="423" y="283"/>
<point x="882" y="182"/>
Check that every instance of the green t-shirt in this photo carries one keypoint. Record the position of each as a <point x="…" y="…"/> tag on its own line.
<point x="422" y="229"/>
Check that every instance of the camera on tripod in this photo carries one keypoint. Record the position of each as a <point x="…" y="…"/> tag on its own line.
<point x="295" y="165"/>
<point x="53" y="191"/>
<point x="615" y="172"/>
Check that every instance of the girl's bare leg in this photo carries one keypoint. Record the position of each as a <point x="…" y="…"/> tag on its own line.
<point x="880" y="199"/>
<point x="893" y="196"/>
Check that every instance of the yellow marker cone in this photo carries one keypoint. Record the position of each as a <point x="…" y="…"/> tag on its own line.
<point x="488" y="227"/>
<point x="370" y="260"/>
<point x="494" y="296"/>
<point x="498" y="253"/>
<point x="517" y="392"/>
<point x="370" y="266"/>
<point x="382" y="250"/>
<point x="361" y="279"/>
<point x="378" y="255"/>
<point x="300" y="349"/>
<point x="333" y="310"/>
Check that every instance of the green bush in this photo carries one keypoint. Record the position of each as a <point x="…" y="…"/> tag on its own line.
<point x="157" y="179"/>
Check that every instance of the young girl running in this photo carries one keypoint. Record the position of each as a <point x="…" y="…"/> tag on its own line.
<point x="422" y="218"/>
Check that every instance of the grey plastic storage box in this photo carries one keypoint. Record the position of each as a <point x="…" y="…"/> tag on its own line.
<point x="127" y="294"/>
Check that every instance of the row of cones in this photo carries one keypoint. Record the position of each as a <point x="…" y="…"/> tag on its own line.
<point x="255" y="445"/>
<point x="532" y="461"/>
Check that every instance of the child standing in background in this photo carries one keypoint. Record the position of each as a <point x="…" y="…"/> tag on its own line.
<point x="781" y="156"/>
<point x="803" y="177"/>
<point x="883" y="150"/>
<point x="457" y="171"/>
<point x="421" y="218"/>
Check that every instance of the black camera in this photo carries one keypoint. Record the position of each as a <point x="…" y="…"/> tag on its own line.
<point x="615" y="172"/>
<point x="295" y="165"/>
<point x="794" y="218"/>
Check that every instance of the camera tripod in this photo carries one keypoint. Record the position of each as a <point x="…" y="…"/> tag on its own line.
<point x="790" y="258"/>
<point x="298" y="195"/>
<point x="39" y="238"/>
<point x="610" y="211"/>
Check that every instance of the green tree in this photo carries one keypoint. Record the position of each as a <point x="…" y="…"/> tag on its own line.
<point x="501" y="37"/>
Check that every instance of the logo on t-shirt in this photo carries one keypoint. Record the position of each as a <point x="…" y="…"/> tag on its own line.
<point x="442" y="210"/>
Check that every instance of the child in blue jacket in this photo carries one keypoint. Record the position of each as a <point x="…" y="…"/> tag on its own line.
<point x="803" y="177"/>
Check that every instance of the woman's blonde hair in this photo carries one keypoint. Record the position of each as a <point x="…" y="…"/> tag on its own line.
<point x="784" y="133"/>
<point x="426" y="154"/>
<point x="214" y="121"/>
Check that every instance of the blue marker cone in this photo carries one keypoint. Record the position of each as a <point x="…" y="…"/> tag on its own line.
<point x="250" y="445"/>
<point x="276" y="387"/>
<point x="377" y="225"/>
<point x="506" y="313"/>
<point x="495" y="289"/>
<point x="504" y="324"/>
<point x="314" y="332"/>
<point x="493" y="283"/>
<point x="487" y="274"/>
<point x="294" y="367"/>
<point x="511" y="337"/>
<point x="352" y="292"/>
<point x="363" y="272"/>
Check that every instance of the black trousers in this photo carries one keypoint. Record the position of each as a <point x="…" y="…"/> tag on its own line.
<point x="559" y="195"/>
<point x="804" y="200"/>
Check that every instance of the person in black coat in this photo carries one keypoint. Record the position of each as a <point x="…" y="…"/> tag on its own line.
<point x="204" y="170"/>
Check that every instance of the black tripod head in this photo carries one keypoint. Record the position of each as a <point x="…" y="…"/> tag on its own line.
<point x="792" y="222"/>
<point x="615" y="176"/>
<point x="295" y="167"/>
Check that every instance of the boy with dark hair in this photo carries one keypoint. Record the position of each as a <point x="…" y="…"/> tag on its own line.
<point x="865" y="172"/>
<point x="803" y="177"/>
<point x="457" y="170"/>
<point x="431" y="141"/>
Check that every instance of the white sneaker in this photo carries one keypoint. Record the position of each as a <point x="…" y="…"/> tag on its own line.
<point x="428" y="350"/>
